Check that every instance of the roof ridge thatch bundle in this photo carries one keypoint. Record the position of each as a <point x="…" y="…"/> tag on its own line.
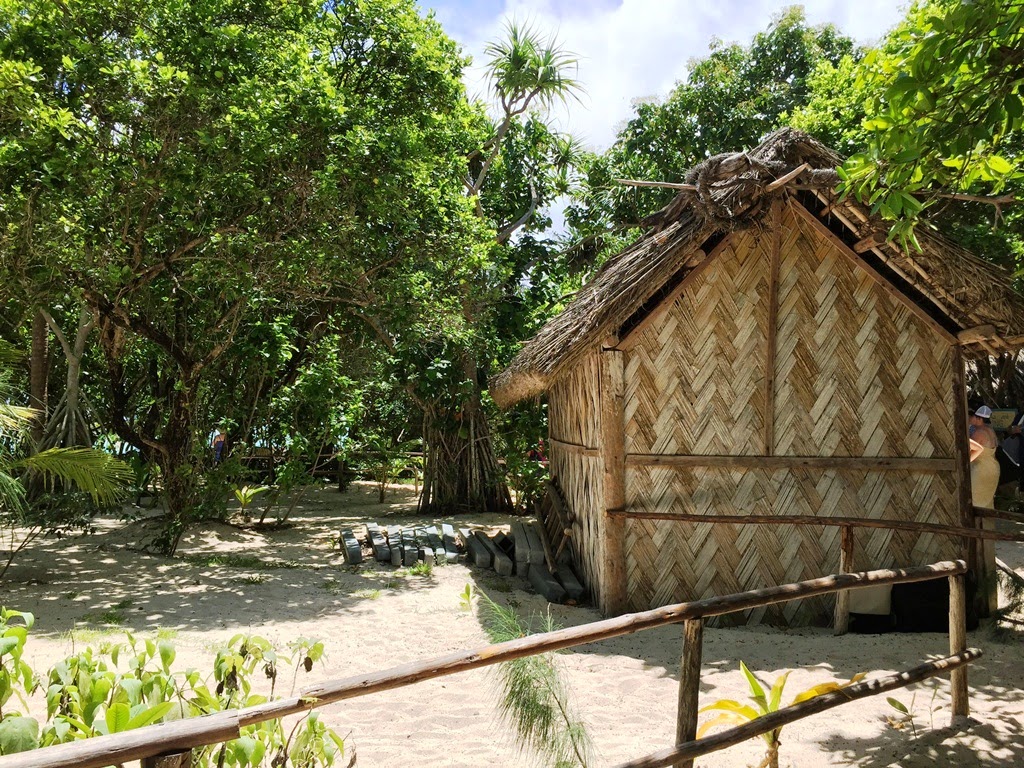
<point x="730" y="192"/>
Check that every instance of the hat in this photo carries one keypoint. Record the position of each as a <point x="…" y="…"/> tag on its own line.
<point x="984" y="412"/>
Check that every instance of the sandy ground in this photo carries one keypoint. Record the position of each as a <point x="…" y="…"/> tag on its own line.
<point x="370" y="618"/>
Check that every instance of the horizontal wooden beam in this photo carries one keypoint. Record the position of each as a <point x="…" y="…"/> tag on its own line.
<point x="576" y="448"/>
<point x="999" y="514"/>
<point x="822" y="520"/>
<point x="771" y="463"/>
<point x="693" y="749"/>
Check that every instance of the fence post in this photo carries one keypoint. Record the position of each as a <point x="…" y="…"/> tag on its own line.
<point x="842" y="617"/>
<point x="181" y="759"/>
<point x="958" y="644"/>
<point x="689" y="684"/>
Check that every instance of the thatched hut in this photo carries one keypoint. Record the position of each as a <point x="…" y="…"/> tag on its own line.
<point x="763" y="351"/>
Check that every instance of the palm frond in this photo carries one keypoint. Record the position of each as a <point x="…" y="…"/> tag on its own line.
<point x="15" y="417"/>
<point x="95" y="472"/>
<point x="12" y="498"/>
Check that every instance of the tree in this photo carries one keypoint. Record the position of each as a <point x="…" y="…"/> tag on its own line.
<point x="943" y="102"/>
<point x="215" y="163"/>
<point x="519" y="167"/>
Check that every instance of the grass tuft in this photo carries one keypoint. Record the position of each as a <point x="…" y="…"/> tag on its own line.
<point x="535" y="700"/>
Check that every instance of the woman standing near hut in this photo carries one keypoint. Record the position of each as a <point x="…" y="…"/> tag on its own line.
<point x="984" y="466"/>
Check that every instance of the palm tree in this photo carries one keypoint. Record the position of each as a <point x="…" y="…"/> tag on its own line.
<point x="93" y="471"/>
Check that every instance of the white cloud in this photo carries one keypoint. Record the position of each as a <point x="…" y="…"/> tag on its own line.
<point x="638" y="48"/>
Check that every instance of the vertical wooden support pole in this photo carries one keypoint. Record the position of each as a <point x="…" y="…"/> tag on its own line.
<point x="771" y="331"/>
<point x="181" y="759"/>
<point x="973" y="550"/>
<point x="958" y="643"/>
<point x="613" y="453"/>
<point x="842" y="618"/>
<point x="689" y="684"/>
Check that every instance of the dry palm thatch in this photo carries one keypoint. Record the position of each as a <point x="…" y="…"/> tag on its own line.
<point x="968" y="295"/>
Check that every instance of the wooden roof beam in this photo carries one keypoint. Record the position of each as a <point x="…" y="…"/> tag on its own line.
<point x="977" y="334"/>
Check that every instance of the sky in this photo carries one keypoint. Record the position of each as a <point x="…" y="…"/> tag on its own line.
<point x="630" y="49"/>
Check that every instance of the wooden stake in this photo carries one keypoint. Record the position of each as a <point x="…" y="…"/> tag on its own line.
<point x="612" y="591"/>
<point x="958" y="644"/>
<point x="842" y="618"/>
<point x="689" y="685"/>
<point x="168" y="760"/>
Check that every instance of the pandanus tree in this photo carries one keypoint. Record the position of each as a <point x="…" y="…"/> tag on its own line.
<point x="519" y="167"/>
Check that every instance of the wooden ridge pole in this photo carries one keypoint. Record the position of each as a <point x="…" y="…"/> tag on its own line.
<point x="733" y="736"/>
<point x="612" y="589"/>
<point x="856" y="522"/>
<point x="212" y="729"/>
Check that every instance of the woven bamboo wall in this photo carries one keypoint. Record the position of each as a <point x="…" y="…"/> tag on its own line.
<point x="692" y="382"/>
<point x="856" y="374"/>
<point x="574" y="423"/>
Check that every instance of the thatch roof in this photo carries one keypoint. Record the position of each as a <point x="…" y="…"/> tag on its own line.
<point x="966" y="294"/>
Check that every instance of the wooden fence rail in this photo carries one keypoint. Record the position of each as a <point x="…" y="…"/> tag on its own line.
<point x="182" y="735"/>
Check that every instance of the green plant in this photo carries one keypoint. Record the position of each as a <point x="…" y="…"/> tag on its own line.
<point x="120" y="686"/>
<point x="423" y="568"/>
<point x="735" y="713"/>
<point x="246" y="495"/>
<point x="535" y="700"/>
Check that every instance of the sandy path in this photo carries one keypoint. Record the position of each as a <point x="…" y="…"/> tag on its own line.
<point x="370" y="618"/>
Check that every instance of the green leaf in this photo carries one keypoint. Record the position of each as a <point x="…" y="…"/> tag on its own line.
<point x="167" y="654"/>
<point x="8" y="644"/>
<point x="756" y="690"/>
<point x="18" y="734"/>
<point x="999" y="165"/>
<point x="117" y="718"/>
<point x="149" y="715"/>
<point x="897" y="705"/>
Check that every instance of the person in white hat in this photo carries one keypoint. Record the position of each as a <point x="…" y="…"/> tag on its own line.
<point x="984" y="466"/>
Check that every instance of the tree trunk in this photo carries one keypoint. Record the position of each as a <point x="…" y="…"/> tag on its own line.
<point x="461" y="472"/>
<point x="38" y="374"/>
<point x="68" y="425"/>
<point x="177" y="463"/>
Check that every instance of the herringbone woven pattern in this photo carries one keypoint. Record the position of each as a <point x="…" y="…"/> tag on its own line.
<point x="857" y="374"/>
<point x="693" y="382"/>
<point x="669" y="562"/>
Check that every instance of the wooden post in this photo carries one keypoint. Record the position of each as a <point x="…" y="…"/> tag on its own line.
<point x="182" y="759"/>
<point x="958" y="644"/>
<point x="771" y="332"/>
<point x="613" y="452"/>
<point x="689" y="685"/>
<point x="973" y="552"/>
<point x="842" y="618"/>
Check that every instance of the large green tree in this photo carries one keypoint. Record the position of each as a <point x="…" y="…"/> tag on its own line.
<point x="195" y="168"/>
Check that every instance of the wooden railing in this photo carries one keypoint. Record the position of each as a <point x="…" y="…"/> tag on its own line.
<point x="159" y="745"/>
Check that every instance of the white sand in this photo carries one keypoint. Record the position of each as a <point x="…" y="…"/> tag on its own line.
<point x="625" y="688"/>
